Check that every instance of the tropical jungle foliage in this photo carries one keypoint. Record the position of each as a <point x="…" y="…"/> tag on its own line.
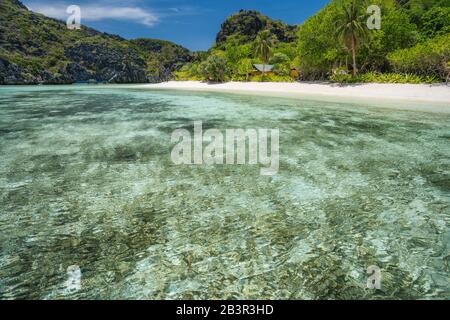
<point x="412" y="45"/>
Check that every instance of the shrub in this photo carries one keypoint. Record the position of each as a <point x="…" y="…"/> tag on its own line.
<point x="428" y="58"/>
<point x="341" y="75"/>
<point x="214" y="68"/>
<point x="188" y="72"/>
<point x="244" y="69"/>
<point x="396" y="78"/>
<point x="279" y="58"/>
<point x="375" y="77"/>
<point x="436" y="21"/>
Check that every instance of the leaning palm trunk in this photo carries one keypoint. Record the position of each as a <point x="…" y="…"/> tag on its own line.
<point x="355" y="68"/>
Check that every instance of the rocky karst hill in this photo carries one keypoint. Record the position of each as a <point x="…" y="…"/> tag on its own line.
<point x="162" y="57"/>
<point x="246" y="24"/>
<point x="37" y="49"/>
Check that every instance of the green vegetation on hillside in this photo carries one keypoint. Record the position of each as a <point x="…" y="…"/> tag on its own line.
<point x="411" y="46"/>
<point x="161" y="57"/>
<point x="38" y="49"/>
<point x="237" y="43"/>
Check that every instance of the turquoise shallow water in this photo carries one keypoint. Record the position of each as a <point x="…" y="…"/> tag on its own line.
<point x="86" y="179"/>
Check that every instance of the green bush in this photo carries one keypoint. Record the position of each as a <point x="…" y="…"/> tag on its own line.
<point x="375" y="77"/>
<point x="281" y="64"/>
<point x="282" y="69"/>
<point x="428" y="58"/>
<point x="397" y="78"/>
<point x="341" y="75"/>
<point x="189" y="72"/>
<point x="435" y="22"/>
<point x="214" y="68"/>
<point x="244" y="69"/>
<point x="279" y="58"/>
<point x="186" y="76"/>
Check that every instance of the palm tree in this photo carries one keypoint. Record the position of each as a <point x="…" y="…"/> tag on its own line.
<point x="351" y="27"/>
<point x="264" y="43"/>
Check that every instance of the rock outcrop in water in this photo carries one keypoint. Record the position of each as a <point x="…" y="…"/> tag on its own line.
<point x="37" y="49"/>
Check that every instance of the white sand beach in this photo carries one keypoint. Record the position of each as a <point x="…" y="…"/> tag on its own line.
<point x="423" y="97"/>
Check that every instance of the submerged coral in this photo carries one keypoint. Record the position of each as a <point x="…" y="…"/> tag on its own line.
<point x="86" y="180"/>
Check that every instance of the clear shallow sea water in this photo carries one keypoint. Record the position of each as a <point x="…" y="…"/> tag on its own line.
<point x="86" y="179"/>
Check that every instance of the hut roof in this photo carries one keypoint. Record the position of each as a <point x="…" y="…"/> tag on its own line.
<point x="263" y="67"/>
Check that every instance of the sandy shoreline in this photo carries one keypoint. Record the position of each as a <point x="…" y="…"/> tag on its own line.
<point x="404" y="96"/>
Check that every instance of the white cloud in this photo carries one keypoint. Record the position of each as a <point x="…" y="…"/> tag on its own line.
<point x="97" y="13"/>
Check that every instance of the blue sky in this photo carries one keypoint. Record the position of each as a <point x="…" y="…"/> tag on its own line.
<point x="191" y="23"/>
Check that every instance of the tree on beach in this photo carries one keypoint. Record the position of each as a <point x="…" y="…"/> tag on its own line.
<point x="263" y="45"/>
<point x="214" y="68"/>
<point x="245" y="67"/>
<point x="351" y="27"/>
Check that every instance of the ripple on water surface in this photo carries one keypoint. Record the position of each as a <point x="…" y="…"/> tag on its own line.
<point x="86" y="180"/>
